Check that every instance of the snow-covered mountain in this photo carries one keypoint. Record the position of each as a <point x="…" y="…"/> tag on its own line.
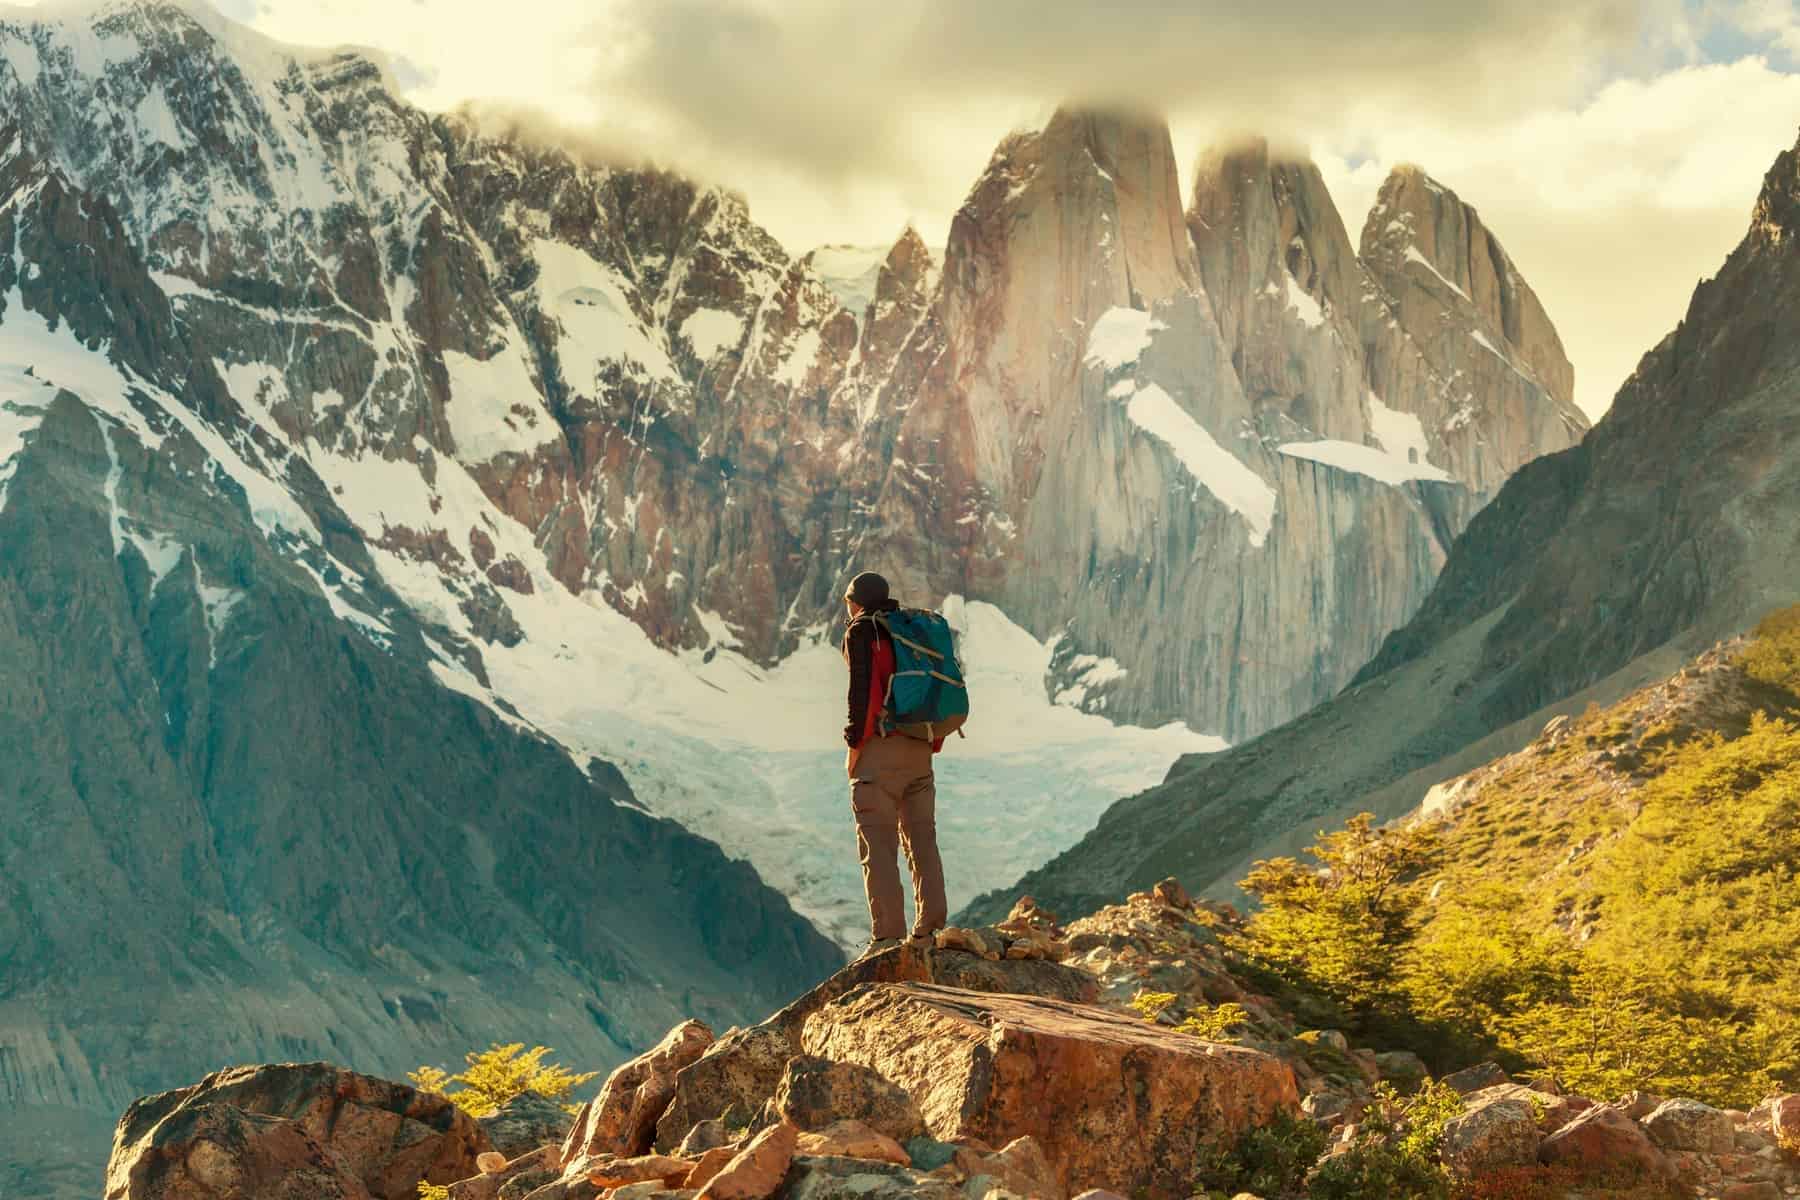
<point x="339" y="424"/>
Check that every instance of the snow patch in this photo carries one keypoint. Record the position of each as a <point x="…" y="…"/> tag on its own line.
<point x="850" y="273"/>
<point x="1376" y="463"/>
<point x="599" y="326"/>
<point x="1401" y="434"/>
<point x="800" y="359"/>
<point x="486" y="396"/>
<point x="709" y="330"/>
<point x="1119" y="337"/>
<point x="1087" y="672"/>
<point x="1215" y="468"/>
<point x="1413" y="256"/>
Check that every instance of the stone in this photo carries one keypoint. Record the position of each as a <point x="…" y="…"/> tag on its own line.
<point x="1020" y="1168"/>
<point x="1500" y="1132"/>
<point x="825" y="1177"/>
<point x="1604" y="1137"/>
<point x="1473" y="1079"/>
<point x="1637" y="1104"/>
<point x="1691" y="1125"/>
<point x="978" y="942"/>
<point x="1553" y="1112"/>
<point x="1402" y="1068"/>
<point x="815" y="1092"/>
<point x="1784" y="1118"/>
<point x="389" y="1136"/>
<point x="490" y="1163"/>
<point x="525" y="1122"/>
<point x="1170" y="892"/>
<point x="621" y="1120"/>
<point x="515" y="1178"/>
<point x="216" y="1151"/>
<point x="707" y="1135"/>
<point x="711" y="1163"/>
<point x="853" y="1139"/>
<point x="928" y="1154"/>
<point x="1112" y="1101"/>
<point x="1098" y="1194"/>
<point x="620" y="1171"/>
<point x="756" y="1172"/>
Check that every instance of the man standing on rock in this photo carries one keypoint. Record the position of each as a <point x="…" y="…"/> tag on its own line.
<point x="892" y="791"/>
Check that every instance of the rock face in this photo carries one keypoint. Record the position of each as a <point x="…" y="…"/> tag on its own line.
<point x="249" y="1125"/>
<point x="1593" y="572"/>
<point x="1691" y="1125"/>
<point x="1500" y="1132"/>
<point x="1112" y="1101"/>
<point x="525" y="1123"/>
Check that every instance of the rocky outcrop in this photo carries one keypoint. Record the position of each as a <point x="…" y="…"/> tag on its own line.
<point x="1108" y="1098"/>
<point x="526" y="1123"/>
<point x="218" y="1150"/>
<point x="251" y="1126"/>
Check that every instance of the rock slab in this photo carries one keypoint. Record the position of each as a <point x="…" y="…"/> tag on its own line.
<point x="1113" y="1102"/>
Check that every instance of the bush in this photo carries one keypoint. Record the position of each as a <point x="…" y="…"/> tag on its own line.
<point x="1563" y="1180"/>
<point x="498" y="1074"/>
<point x="1395" y="1154"/>
<point x="1773" y="656"/>
<point x="1270" y="1160"/>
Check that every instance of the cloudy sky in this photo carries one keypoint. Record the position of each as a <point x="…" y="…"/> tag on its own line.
<point x="1616" y="146"/>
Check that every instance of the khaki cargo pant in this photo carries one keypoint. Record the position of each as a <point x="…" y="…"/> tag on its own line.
<point x="894" y="797"/>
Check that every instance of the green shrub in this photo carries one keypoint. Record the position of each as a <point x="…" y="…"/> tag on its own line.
<point x="1270" y="1160"/>
<point x="1773" y="655"/>
<point x="498" y="1074"/>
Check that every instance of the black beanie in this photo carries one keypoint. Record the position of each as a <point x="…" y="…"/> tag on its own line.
<point x="868" y="590"/>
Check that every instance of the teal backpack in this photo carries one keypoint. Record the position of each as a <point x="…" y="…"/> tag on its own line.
<point x="927" y="697"/>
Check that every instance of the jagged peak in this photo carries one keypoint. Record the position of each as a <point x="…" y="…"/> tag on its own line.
<point x="1777" y="212"/>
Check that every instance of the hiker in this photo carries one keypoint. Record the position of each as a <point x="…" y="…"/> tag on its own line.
<point x="892" y="791"/>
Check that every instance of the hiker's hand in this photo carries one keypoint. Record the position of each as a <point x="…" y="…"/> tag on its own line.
<point x="850" y="758"/>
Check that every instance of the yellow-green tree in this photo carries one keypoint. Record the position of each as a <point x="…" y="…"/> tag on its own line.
<point x="496" y="1075"/>
<point x="1338" y="926"/>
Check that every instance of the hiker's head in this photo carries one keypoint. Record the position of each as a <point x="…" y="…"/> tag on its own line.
<point x="866" y="591"/>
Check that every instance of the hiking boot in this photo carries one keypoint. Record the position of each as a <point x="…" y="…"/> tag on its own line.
<point x="922" y="942"/>
<point x="878" y="946"/>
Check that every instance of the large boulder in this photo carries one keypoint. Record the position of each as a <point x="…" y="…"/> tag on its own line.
<point x="1500" y="1132"/>
<point x="1691" y="1125"/>
<point x="220" y="1152"/>
<point x="387" y="1135"/>
<point x="621" y="1120"/>
<point x="1113" y="1101"/>
<point x="526" y="1122"/>
<point x="815" y="1092"/>
<point x="1553" y="1112"/>
<point x="1604" y="1138"/>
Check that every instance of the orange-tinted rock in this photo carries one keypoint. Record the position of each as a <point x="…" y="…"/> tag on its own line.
<point x="388" y="1135"/>
<point x="757" y="1170"/>
<point x="1112" y="1101"/>
<point x="1603" y="1137"/>
<point x="854" y="1139"/>
<point x="1020" y="1168"/>
<point x="617" y="1172"/>
<point x="710" y="1164"/>
<point x="621" y="1120"/>
<point x="221" y="1152"/>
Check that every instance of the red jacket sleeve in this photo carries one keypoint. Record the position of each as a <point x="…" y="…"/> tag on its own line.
<point x="859" y="651"/>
